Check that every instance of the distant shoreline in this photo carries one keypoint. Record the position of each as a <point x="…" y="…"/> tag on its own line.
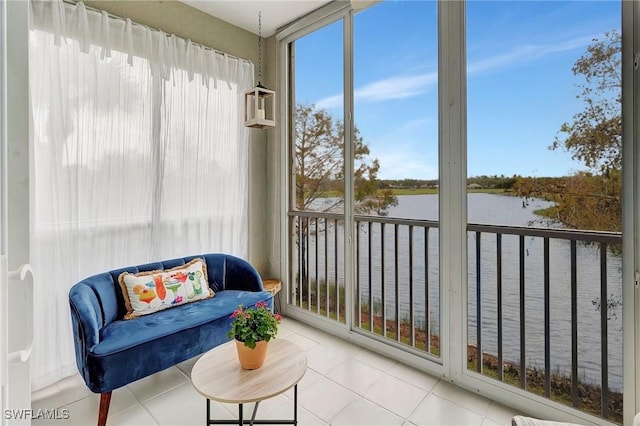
<point x="433" y="191"/>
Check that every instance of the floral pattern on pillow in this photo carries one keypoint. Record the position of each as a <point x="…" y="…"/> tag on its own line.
<point x="152" y="291"/>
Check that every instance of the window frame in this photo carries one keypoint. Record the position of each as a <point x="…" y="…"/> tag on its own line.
<point x="453" y="204"/>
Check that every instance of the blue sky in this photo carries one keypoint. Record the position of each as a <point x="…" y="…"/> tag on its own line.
<point x="520" y="87"/>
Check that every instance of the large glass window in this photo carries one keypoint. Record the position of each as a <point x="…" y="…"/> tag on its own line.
<point x="318" y="150"/>
<point x="396" y="173"/>
<point x="318" y="158"/>
<point x="539" y="304"/>
<point x="394" y="184"/>
<point x="544" y="199"/>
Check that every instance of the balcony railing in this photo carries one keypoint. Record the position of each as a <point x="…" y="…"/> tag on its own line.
<point x="543" y="305"/>
<point x="558" y="295"/>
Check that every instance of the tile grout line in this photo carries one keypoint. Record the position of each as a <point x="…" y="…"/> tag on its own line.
<point x="429" y="392"/>
<point x="143" y="404"/>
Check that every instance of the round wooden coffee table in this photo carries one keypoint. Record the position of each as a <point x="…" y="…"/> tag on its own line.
<point x="218" y="376"/>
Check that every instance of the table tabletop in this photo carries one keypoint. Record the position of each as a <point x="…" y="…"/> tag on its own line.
<point x="217" y="375"/>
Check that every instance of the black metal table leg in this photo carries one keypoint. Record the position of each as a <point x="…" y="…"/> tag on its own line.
<point x="295" y="404"/>
<point x="255" y="410"/>
<point x="241" y="421"/>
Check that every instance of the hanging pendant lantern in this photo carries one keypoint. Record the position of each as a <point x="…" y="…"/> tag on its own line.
<point x="259" y="108"/>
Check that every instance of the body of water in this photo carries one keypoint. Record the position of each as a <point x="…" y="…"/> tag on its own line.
<point x="422" y="270"/>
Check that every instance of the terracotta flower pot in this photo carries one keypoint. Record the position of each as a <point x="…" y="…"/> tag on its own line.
<point x="250" y="359"/>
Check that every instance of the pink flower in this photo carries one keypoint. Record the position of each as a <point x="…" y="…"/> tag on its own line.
<point x="255" y="324"/>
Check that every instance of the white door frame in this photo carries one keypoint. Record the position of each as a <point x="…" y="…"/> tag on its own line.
<point x="631" y="206"/>
<point x="4" y="348"/>
<point x="16" y="201"/>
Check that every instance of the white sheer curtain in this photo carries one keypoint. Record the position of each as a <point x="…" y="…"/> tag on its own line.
<point x="139" y="154"/>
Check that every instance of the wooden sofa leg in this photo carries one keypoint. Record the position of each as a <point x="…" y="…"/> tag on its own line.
<point x="105" y="400"/>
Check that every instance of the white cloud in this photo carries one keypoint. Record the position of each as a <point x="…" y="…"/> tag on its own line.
<point x="330" y="102"/>
<point x="397" y="87"/>
<point x="407" y="151"/>
<point x="391" y="88"/>
<point x="407" y="86"/>
<point x="525" y="54"/>
<point x="402" y="164"/>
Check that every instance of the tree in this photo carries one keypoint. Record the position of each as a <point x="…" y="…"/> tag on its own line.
<point x="319" y="179"/>
<point x="319" y="163"/>
<point x="595" y="136"/>
<point x="582" y="201"/>
<point x="590" y="199"/>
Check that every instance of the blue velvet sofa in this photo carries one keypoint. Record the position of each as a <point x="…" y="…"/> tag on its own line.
<point x="112" y="352"/>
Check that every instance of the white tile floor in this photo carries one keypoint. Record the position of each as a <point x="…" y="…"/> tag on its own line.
<point x="345" y="385"/>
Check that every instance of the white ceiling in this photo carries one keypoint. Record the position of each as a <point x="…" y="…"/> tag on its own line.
<point x="244" y="13"/>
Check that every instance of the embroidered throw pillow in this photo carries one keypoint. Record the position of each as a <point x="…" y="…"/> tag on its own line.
<point x="152" y="291"/>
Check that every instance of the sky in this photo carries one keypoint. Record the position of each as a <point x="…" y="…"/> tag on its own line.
<point x="520" y="86"/>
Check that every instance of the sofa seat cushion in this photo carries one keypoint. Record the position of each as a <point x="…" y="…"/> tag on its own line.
<point x="164" y="338"/>
<point x="122" y="335"/>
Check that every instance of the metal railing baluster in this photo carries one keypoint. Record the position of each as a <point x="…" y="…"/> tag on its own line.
<point x="370" y="282"/>
<point x="478" y="307"/>
<point x="499" y="302"/>
<point x="384" y="299"/>
<point x="308" y="229"/>
<point x="396" y="280"/>
<point x="358" y="292"/>
<point x="574" y="325"/>
<point x="316" y="267"/>
<point x="523" y="358"/>
<point x="326" y="268"/>
<point x="427" y="316"/>
<point x="335" y="269"/>
<point x="412" y="328"/>
<point x="298" y="280"/>
<point x="547" y="320"/>
<point x="604" y="333"/>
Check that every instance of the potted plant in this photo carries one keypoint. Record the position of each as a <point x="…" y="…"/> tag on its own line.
<point x="253" y="328"/>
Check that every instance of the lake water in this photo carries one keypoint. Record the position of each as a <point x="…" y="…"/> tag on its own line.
<point x="495" y="210"/>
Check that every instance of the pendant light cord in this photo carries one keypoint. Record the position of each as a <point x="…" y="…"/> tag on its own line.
<point x="259" y="47"/>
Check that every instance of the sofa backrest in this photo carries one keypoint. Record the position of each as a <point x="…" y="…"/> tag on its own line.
<point x="109" y="297"/>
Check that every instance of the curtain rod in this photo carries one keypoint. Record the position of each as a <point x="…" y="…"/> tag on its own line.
<point x="111" y="15"/>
